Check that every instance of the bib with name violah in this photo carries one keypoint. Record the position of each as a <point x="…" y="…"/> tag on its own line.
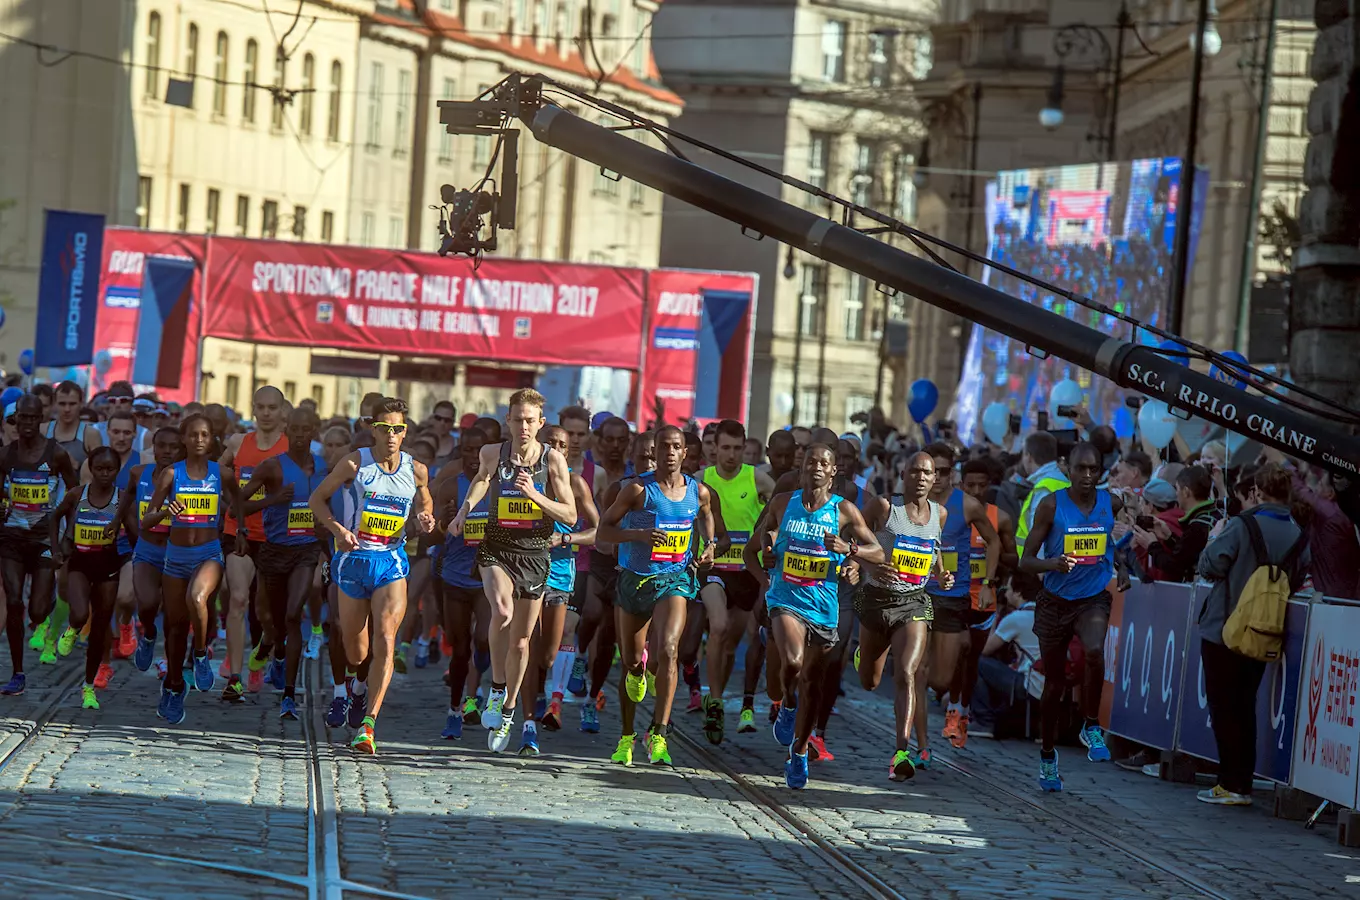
<point x="200" y="506"/>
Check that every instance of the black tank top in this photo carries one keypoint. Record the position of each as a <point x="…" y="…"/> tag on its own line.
<point x="517" y="523"/>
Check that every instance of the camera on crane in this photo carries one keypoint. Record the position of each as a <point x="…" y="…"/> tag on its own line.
<point x="469" y="219"/>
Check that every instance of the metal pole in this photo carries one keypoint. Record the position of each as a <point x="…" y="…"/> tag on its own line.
<point x="797" y="355"/>
<point x="821" y="349"/>
<point x="965" y="333"/>
<point x="1185" y="195"/>
<point x="1122" y="23"/>
<point x="882" y="354"/>
<point x="1254" y="191"/>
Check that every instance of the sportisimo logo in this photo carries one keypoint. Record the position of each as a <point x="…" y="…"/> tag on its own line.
<point x="1310" y="731"/>
<point x="72" y="262"/>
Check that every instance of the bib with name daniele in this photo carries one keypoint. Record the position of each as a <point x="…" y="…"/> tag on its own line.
<point x="514" y="510"/>
<point x="200" y="506"/>
<point x="676" y="544"/>
<point x="474" y="527"/>
<point x="301" y="522"/>
<point x="382" y="520"/>
<point x="29" y="491"/>
<point x="1085" y="543"/>
<point x="806" y="563"/>
<point x="911" y="559"/>
<point x="732" y="560"/>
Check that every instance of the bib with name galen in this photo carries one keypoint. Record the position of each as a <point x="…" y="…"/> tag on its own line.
<point x="1085" y="543"/>
<point x="514" y="510"/>
<point x="911" y="559"/>
<point x="29" y="491"/>
<point x="474" y="527"/>
<point x="200" y="506"/>
<point x="676" y="545"/>
<point x="301" y="522"/>
<point x="381" y="521"/>
<point x="732" y="560"/>
<point x="806" y="563"/>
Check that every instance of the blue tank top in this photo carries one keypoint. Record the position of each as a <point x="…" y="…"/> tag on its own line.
<point x="955" y="543"/>
<point x="122" y="482"/>
<point x="93" y="521"/>
<point x="806" y="574"/>
<point x="200" y="497"/>
<point x="562" y="568"/>
<point x="460" y="551"/>
<point x="378" y="503"/>
<point x="146" y="486"/>
<point x="1085" y="537"/>
<point x="291" y="524"/>
<point x="673" y="517"/>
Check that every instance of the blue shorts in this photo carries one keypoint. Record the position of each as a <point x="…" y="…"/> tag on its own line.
<point x="151" y="554"/>
<point x="361" y="572"/>
<point x="183" y="562"/>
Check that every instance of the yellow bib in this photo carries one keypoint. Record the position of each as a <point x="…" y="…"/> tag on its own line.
<point x="474" y="530"/>
<point x="1088" y="548"/>
<point x="676" y="545"/>
<point x="300" y="520"/>
<point x="197" y="506"/>
<point x="518" y="512"/>
<point x="91" y="537"/>
<point x="805" y="569"/>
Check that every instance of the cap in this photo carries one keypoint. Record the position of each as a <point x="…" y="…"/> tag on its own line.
<point x="468" y="420"/>
<point x="160" y="411"/>
<point x="599" y="419"/>
<point x="10" y="410"/>
<point x="1159" y="493"/>
<point x="142" y="404"/>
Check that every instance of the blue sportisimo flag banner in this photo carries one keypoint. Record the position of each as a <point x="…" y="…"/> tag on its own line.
<point x="68" y="288"/>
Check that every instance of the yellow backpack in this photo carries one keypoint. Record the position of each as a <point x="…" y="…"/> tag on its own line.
<point x="1255" y="628"/>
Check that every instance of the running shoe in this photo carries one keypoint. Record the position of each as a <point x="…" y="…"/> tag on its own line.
<point x="902" y="768"/>
<point x="601" y="701"/>
<point x="796" y="771"/>
<point x="399" y="658"/>
<point x="49" y="654"/>
<point x="312" y="650"/>
<point x="453" y="727"/>
<point x="274" y="675"/>
<point x="102" y="676"/>
<point x="817" y="749"/>
<point x="422" y="654"/>
<point x="335" y="715"/>
<point x="696" y="701"/>
<point x="1093" y="739"/>
<point x="174" y="705"/>
<point x="254" y="680"/>
<point x="358" y="707"/>
<point x="363" y="741"/>
<point x="161" y="668"/>
<point x="39" y="636"/>
<point x="856" y="659"/>
<point x="1049" y="779"/>
<point x="774" y="710"/>
<point x="783" y="726"/>
<point x="144" y="654"/>
<point x="528" y="742"/>
<point x="161" y="704"/>
<point x="623" y="753"/>
<point x="540" y="709"/>
<point x="495" y="710"/>
<point x="88" y="700"/>
<point x="234" y="692"/>
<point x="126" y="644"/>
<point x="223" y="671"/>
<point x="960" y="738"/>
<point x="576" y="684"/>
<point x="67" y="642"/>
<point x="590" y="719"/>
<point x="552" y="718"/>
<point x="1218" y="795"/>
<point x="922" y="759"/>
<point x="497" y="739"/>
<point x="635" y="687"/>
<point x="15" y="686"/>
<point x="951" y="724"/>
<point x="203" y="673"/>
<point x="288" y="709"/>
<point x="221" y="634"/>
<point x="657" y="752"/>
<point x="714" y="720"/>
<point x="651" y="681"/>
<point x="471" y="714"/>
<point x="747" y="722"/>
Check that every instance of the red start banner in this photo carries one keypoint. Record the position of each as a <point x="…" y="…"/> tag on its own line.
<point x="420" y="304"/>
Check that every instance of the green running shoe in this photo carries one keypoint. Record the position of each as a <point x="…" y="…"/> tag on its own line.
<point x="623" y="753"/>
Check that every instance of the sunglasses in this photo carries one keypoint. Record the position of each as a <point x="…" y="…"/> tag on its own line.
<point x="389" y="427"/>
<point x="442" y="418"/>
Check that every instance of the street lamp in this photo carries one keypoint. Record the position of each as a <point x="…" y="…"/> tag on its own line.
<point x="1051" y="116"/>
<point x="1213" y="41"/>
<point x="1084" y="40"/>
<point x="1204" y="41"/>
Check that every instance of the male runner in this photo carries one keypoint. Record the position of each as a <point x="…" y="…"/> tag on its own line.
<point x="442" y="420"/>
<point x="1072" y="528"/>
<point x="575" y="421"/>
<point x="77" y="438"/>
<point x="36" y="472"/>
<point x="243" y="452"/>
<point x="663" y="510"/>
<point x="806" y="543"/>
<point x="779" y="450"/>
<point x="386" y="487"/>
<point x="731" y="593"/>
<point x="525" y="482"/>
<point x="292" y="549"/>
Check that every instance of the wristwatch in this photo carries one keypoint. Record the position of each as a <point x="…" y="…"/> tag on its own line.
<point x="986" y="582"/>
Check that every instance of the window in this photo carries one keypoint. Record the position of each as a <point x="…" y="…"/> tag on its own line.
<point x="923" y="56"/>
<point x="639" y="61"/>
<point x="233" y="397"/>
<point x="300" y="222"/>
<point x="880" y="59"/>
<point x="252" y="73"/>
<point x="637" y="193"/>
<point x="182" y="213"/>
<point x="327" y="226"/>
<point x="481" y="151"/>
<point x="403" y="112"/>
<point x="213" y="211"/>
<point x="375" y="80"/>
<point x="605" y="186"/>
<point x="561" y="26"/>
<point x="833" y="50"/>
<point x="519" y="18"/>
<point x="811" y="406"/>
<point x="144" y="202"/>
<point x="855" y="297"/>
<point x="290" y="391"/>
<point x="280" y="79"/>
<point x="153" y="55"/>
<point x="318" y="395"/>
<point x="367" y="230"/>
<point x="191" y="54"/>
<point x="269" y="219"/>
<point x="394" y="232"/>
<point x="242" y="215"/>
<point x="854" y="405"/>
<point x="819" y="155"/>
<point x="446" y="139"/>
<point x="219" y="106"/>
<point x="812" y="300"/>
<point x="540" y="20"/>
<point x="308" y="88"/>
<point x="866" y="164"/>
<point x="906" y="187"/>
<point x="333" y="113"/>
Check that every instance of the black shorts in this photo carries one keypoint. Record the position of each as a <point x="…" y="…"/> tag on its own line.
<point x="817" y="635"/>
<point x="952" y="614"/>
<point x="98" y="567"/>
<point x="468" y="596"/>
<point x="279" y="560"/>
<point x="577" y="601"/>
<point x="883" y="611"/>
<point x="528" y="572"/>
<point x="555" y="597"/>
<point x="1055" y="618"/>
<point x="20" y="546"/>
<point x="740" y="588"/>
<point x="602" y="583"/>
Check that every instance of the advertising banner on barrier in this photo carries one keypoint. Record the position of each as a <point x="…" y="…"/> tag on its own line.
<point x="406" y="303"/>
<point x="1327" y="733"/>
<point x="67" y="297"/>
<point x="1149" y="663"/>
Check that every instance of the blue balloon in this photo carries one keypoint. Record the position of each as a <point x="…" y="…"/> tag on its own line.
<point x="1123" y="422"/>
<point x="10" y="395"/>
<point x="924" y="396"/>
<point x="2" y="317"/>
<point x="103" y="361"/>
<point x="1229" y="376"/>
<point x="26" y="361"/>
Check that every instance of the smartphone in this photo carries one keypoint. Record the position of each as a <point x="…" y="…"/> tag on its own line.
<point x="1067" y="412"/>
<point x="1042" y="420"/>
<point x="1134" y="402"/>
<point x="1015" y="423"/>
<point x="1143" y="522"/>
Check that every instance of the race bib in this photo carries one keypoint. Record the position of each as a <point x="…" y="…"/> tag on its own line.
<point x="199" y="509"/>
<point x="911" y="558"/>
<point x="514" y="510"/>
<point x="381" y="523"/>
<point x="977" y="564"/>
<point x="949" y="558"/>
<point x="474" y="529"/>
<point x="1085" y="543"/>
<point x="676" y="545"/>
<point x="806" y="565"/>
<point x="29" y="492"/>
<point x="90" y="537"/>
<point x="246" y="472"/>
<point x="142" y="508"/>
<point x="300" y="520"/>
<point x="732" y="560"/>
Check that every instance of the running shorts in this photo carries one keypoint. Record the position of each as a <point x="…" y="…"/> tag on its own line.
<point x="638" y="595"/>
<point x="151" y="554"/>
<point x="951" y="614"/>
<point x="359" y="573"/>
<point x="21" y="546"/>
<point x="528" y="572"/>
<point x="98" y="566"/>
<point x="183" y="562"/>
<point x="883" y="611"/>
<point x="554" y="597"/>
<point x="741" y="589"/>
<point x="817" y="635"/>
<point x="1055" y="618"/>
<point x="279" y="560"/>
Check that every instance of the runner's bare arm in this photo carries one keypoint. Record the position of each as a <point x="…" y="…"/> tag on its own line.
<point x="65" y="512"/>
<point x="156" y="509"/>
<point x="320" y="501"/>
<point x="764" y="537"/>
<point x="423" y="508"/>
<point x="559" y="485"/>
<point x="976" y="514"/>
<point x="722" y="543"/>
<point x="92" y="440"/>
<point x="478" y="485"/>
<point x="445" y="500"/>
<point x="125" y="500"/>
<point x="586" y="512"/>
<point x="228" y="458"/>
<point x="764" y="486"/>
<point x="938" y="566"/>
<point x="852" y="524"/>
<point x="1038" y="534"/>
<point x="630" y="497"/>
<point x="62" y="465"/>
<point x="267" y="475"/>
<point x="1005" y="527"/>
<point x="705" y="523"/>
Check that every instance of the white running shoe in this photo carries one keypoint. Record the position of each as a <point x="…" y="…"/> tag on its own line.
<point x="498" y="739"/>
<point x="491" y="715"/>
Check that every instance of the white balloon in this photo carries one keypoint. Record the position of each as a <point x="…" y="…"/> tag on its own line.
<point x="1065" y="393"/>
<point x="784" y="403"/>
<point x="1157" y="423"/>
<point x="996" y="422"/>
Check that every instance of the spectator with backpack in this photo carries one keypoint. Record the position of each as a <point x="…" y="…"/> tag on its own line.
<point x="1253" y="564"/>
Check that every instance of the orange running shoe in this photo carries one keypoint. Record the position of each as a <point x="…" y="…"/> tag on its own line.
<point x="101" y="678"/>
<point x="126" y="644"/>
<point x="254" y="680"/>
<point x="960" y="733"/>
<point x="600" y="701"/>
<point x="819" y="751"/>
<point x="951" y="724"/>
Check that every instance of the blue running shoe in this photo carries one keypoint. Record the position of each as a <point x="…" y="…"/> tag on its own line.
<point x="335" y="716"/>
<point x="174" y="706"/>
<point x="145" y="653"/>
<point x="540" y="709"/>
<point x="288" y="709"/>
<point x="422" y="654"/>
<point x="16" y="686"/>
<point x="1049" y="779"/>
<point x="453" y="728"/>
<point x="160" y="706"/>
<point x="1093" y="739"/>
<point x="590" y="719"/>
<point x="358" y="708"/>
<point x="274" y="676"/>
<point x="528" y="745"/>
<point x="796" y="770"/>
<point x="764" y="636"/>
<point x="576" y="684"/>
<point x="203" y="673"/>
<point x="783" y="726"/>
